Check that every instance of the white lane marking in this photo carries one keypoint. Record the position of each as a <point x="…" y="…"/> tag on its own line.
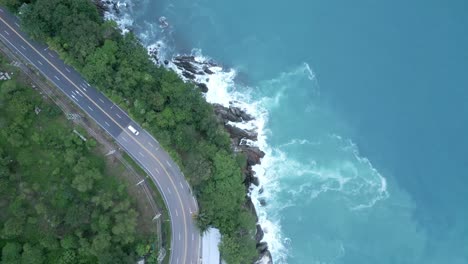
<point x="157" y="171"/>
<point x="193" y="237"/>
<point x="50" y="54"/>
<point x="17" y="24"/>
<point x="55" y="76"/>
<point x="177" y="260"/>
<point x="23" y="47"/>
<point x="74" y="97"/>
<point x="46" y="48"/>
<point x="102" y="101"/>
<point x="149" y="143"/>
<point x="118" y="115"/>
<point x="90" y="108"/>
<point x="177" y="213"/>
<point x="40" y="62"/>
<point x="6" y="32"/>
<point x="67" y="69"/>
<point x="168" y="190"/>
<point x="141" y="154"/>
<point x="107" y="123"/>
<point x="181" y="185"/>
<point x="179" y="235"/>
<point x="78" y="93"/>
<point x="140" y="182"/>
<point x="125" y="139"/>
<point x="88" y="84"/>
<point x="168" y="164"/>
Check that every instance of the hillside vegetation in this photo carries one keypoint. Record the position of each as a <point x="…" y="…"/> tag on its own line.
<point x="57" y="202"/>
<point x="173" y="111"/>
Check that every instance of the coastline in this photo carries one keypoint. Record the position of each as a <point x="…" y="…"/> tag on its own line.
<point x="243" y="128"/>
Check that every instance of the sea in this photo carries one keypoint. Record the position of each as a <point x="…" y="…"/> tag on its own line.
<point x="361" y="107"/>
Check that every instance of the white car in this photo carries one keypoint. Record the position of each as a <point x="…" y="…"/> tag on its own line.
<point x="134" y="131"/>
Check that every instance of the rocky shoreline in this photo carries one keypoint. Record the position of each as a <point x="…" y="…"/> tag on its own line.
<point x="192" y="70"/>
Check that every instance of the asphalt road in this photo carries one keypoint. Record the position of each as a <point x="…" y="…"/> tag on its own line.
<point x="185" y="243"/>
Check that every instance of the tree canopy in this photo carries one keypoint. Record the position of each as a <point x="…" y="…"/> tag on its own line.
<point x="57" y="203"/>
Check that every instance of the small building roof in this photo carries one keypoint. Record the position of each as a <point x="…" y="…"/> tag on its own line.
<point x="211" y="240"/>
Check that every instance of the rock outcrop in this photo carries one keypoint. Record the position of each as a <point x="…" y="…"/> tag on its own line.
<point x="231" y="113"/>
<point x="240" y="133"/>
<point x="101" y="7"/>
<point x="259" y="234"/>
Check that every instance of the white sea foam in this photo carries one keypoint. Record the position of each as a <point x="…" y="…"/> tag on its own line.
<point x="123" y="20"/>
<point x="359" y="184"/>
<point x="360" y="190"/>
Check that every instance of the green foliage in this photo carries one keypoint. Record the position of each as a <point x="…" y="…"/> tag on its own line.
<point x="174" y="111"/>
<point x="57" y="205"/>
<point x="236" y="250"/>
<point x="11" y="253"/>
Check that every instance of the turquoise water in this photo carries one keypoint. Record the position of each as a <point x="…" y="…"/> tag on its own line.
<point x="366" y="118"/>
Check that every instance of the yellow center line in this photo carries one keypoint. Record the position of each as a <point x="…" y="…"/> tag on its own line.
<point x="131" y="135"/>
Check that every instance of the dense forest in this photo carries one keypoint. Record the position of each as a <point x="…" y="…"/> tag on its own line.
<point x="173" y="111"/>
<point x="57" y="203"/>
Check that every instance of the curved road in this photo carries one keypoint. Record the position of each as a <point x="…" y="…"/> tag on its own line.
<point x="185" y="243"/>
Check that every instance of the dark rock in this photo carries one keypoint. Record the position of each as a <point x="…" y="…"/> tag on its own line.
<point x="255" y="181"/>
<point x="259" y="234"/>
<point x="234" y="143"/>
<point x="250" y="177"/>
<point x="266" y="254"/>
<point x="245" y="116"/>
<point x="163" y="22"/>
<point x="254" y="154"/>
<point x="241" y="133"/>
<point x="166" y="62"/>
<point x="116" y="8"/>
<point x="101" y="7"/>
<point x="153" y="53"/>
<point x="240" y="114"/>
<point x="188" y="75"/>
<point x="186" y="63"/>
<point x="202" y="87"/>
<point x="260" y="191"/>
<point x="225" y="114"/>
<point x="262" y="201"/>
<point x="248" y="173"/>
<point x="262" y="247"/>
<point x="207" y="70"/>
<point x="211" y="63"/>
<point x="251" y="207"/>
<point x="188" y="58"/>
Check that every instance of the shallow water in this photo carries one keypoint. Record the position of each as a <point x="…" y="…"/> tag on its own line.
<point x="362" y="113"/>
